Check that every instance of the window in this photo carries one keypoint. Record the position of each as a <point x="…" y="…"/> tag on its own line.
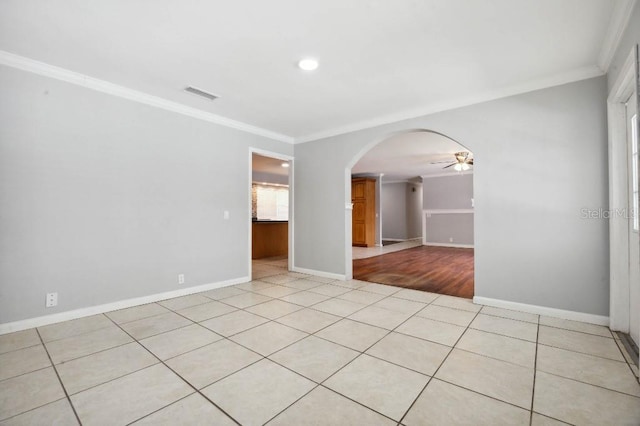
<point x="272" y="202"/>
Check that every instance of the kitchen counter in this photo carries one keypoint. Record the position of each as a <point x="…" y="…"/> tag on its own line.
<point x="269" y="238"/>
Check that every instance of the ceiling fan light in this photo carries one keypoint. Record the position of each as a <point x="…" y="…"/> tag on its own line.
<point x="465" y="166"/>
<point x="458" y="167"/>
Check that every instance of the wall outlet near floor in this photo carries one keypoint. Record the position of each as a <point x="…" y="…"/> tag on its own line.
<point x="51" y="300"/>
<point x="450" y="239"/>
<point x="180" y="278"/>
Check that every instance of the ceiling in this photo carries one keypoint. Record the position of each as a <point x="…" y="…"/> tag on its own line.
<point x="268" y="165"/>
<point x="380" y="60"/>
<point x="408" y="156"/>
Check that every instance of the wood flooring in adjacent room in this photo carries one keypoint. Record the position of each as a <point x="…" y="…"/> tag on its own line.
<point x="443" y="270"/>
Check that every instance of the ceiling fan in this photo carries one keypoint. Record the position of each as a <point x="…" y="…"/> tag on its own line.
<point x="463" y="161"/>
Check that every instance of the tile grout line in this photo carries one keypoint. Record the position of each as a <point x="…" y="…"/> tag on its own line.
<point x="364" y="353"/>
<point x="360" y="353"/>
<point x="192" y="323"/>
<point x="620" y="345"/>
<point x="430" y="341"/>
<point x="476" y="314"/>
<point x="160" y="409"/>
<point x="535" y="372"/>
<point x="302" y="307"/>
<point x="433" y="376"/>
<point x="64" y="389"/>
<point x="320" y="384"/>
<point x="584" y="353"/>
<point x="73" y="335"/>
<point x="181" y="378"/>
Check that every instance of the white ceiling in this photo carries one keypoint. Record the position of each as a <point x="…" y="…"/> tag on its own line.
<point x="380" y="60"/>
<point x="410" y="155"/>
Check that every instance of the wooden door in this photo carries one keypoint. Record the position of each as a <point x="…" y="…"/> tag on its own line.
<point x="363" y="214"/>
<point x="358" y="222"/>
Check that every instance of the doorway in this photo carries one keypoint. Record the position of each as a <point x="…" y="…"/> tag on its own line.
<point x="271" y="207"/>
<point x="421" y="189"/>
<point x="623" y="201"/>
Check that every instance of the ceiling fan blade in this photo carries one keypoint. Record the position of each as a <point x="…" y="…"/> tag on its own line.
<point x="450" y="165"/>
<point x="470" y="162"/>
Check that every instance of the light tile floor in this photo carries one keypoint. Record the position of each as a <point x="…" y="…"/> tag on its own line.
<point x="293" y="349"/>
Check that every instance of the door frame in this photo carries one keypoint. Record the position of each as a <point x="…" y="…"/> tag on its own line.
<point x="623" y="88"/>
<point x="290" y="226"/>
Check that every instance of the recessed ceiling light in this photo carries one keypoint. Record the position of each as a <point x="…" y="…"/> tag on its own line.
<point x="308" y="64"/>
<point x="285" y="165"/>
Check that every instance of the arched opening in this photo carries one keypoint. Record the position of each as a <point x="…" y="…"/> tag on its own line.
<point x="411" y="221"/>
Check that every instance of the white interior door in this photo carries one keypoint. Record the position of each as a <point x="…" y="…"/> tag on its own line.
<point x="634" y="220"/>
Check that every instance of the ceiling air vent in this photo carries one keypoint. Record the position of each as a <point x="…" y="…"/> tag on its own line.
<point x="201" y="93"/>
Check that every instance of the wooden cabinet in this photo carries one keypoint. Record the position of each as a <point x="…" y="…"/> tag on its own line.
<point x="363" y="217"/>
<point x="269" y="239"/>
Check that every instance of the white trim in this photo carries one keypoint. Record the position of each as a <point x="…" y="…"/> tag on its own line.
<point x="557" y="80"/>
<point x="348" y="215"/>
<point x="619" y="289"/>
<point x="448" y="211"/>
<point x="617" y="25"/>
<point x="319" y="273"/>
<point x="447" y="245"/>
<point x="290" y="225"/>
<point x="41" y="68"/>
<point x="543" y="310"/>
<point x="396" y="181"/>
<point x="435" y="175"/>
<point x="395" y="239"/>
<point x="379" y="210"/>
<point x="10" y="327"/>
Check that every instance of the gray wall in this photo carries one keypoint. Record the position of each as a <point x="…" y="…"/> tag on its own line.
<point x="394" y="210"/>
<point x="449" y="193"/>
<point x="630" y="38"/>
<point x="401" y="210"/>
<point x="414" y="210"/>
<point x="103" y="199"/>
<point x="454" y="228"/>
<point x="531" y="244"/>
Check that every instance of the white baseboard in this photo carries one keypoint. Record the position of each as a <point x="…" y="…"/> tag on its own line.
<point x="319" y="273"/>
<point x="448" y="245"/>
<point x="543" y="310"/>
<point x="10" y="327"/>
<point x="393" y="239"/>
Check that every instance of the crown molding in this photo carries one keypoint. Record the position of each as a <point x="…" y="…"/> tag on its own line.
<point x="557" y="80"/>
<point x="618" y="23"/>
<point x="51" y="71"/>
<point x="452" y="174"/>
<point x="391" y="182"/>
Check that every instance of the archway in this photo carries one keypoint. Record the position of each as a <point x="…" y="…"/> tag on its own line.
<point x="432" y="237"/>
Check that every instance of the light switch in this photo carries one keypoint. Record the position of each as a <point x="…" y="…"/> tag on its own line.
<point x="226" y="215"/>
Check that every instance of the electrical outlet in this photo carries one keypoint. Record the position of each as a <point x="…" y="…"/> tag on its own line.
<point x="226" y="215"/>
<point x="51" y="300"/>
<point x="450" y="239"/>
<point x="180" y="278"/>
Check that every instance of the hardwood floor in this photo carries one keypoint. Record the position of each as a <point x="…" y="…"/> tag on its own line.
<point x="443" y="270"/>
